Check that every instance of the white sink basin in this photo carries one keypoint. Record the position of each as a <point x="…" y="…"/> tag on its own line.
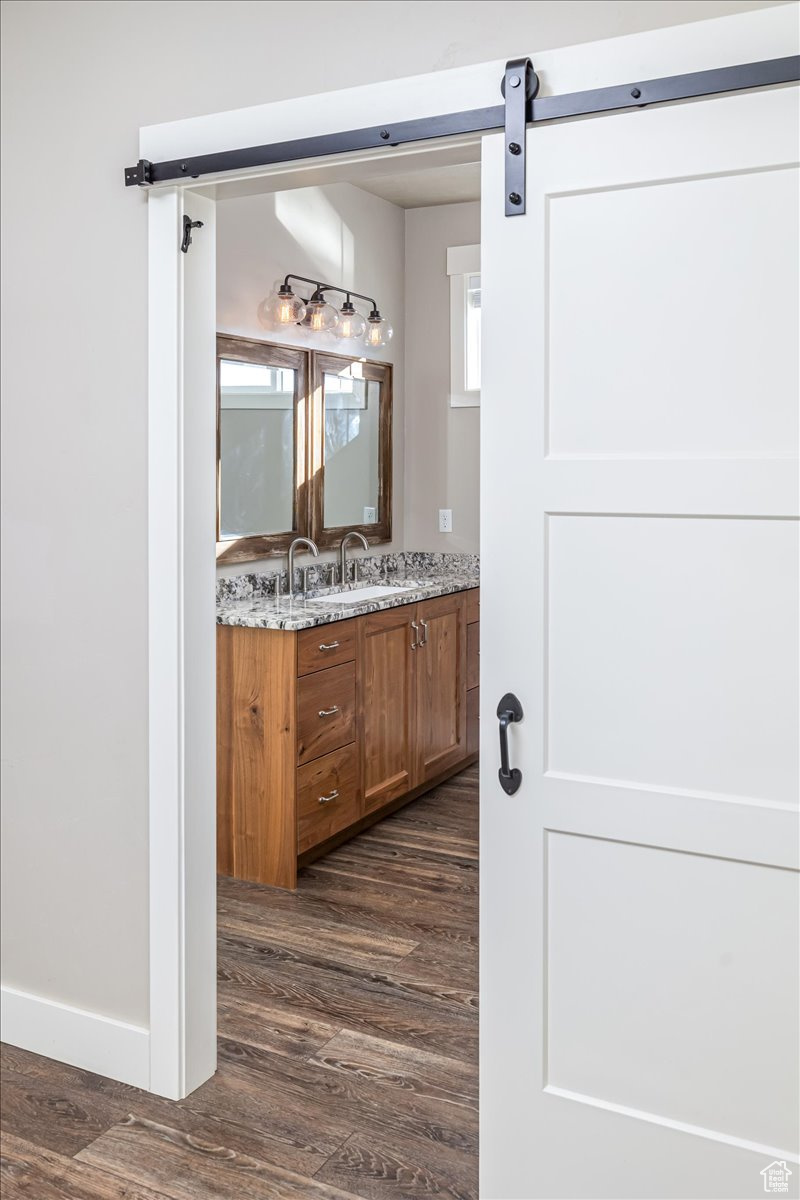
<point x="359" y="596"/>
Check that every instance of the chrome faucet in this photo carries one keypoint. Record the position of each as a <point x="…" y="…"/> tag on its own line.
<point x="299" y="541"/>
<point x="343" y="555"/>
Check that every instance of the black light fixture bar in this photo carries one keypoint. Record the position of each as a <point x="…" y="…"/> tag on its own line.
<point x="331" y="287"/>
<point x="691" y="86"/>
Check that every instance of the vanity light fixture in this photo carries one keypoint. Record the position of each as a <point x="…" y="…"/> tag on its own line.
<point x="283" y="307"/>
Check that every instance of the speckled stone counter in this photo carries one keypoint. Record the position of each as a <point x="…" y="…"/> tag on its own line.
<point x="251" y="600"/>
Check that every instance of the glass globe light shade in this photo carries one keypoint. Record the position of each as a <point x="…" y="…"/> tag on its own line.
<point x="349" y="323"/>
<point x="320" y="316"/>
<point x="281" y="308"/>
<point x="379" y="331"/>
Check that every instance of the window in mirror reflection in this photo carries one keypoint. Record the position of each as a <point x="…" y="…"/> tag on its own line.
<point x="352" y="430"/>
<point x="256" y="449"/>
<point x="473" y="333"/>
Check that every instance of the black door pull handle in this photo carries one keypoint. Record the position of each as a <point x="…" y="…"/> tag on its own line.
<point x="509" y="711"/>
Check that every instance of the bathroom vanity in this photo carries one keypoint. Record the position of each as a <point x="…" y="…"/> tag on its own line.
<point x="335" y="705"/>
<point x="332" y="715"/>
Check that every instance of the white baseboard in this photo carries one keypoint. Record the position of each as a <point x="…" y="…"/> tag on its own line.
<point x="72" y="1035"/>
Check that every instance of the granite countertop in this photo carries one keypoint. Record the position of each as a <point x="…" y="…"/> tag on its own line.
<point x="251" y="601"/>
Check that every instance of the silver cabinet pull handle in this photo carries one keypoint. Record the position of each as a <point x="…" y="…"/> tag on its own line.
<point x="328" y="712"/>
<point x="415" y="627"/>
<point x="424" y="641"/>
<point x="327" y="799"/>
<point x="328" y="645"/>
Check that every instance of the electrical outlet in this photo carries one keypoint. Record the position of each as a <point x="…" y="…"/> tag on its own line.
<point x="370" y="515"/>
<point x="445" y="520"/>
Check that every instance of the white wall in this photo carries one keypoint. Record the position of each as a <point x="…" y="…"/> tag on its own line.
<point x="74" y="472"/>
<point x="337" y="233"/>
<point x="442" y="460"/>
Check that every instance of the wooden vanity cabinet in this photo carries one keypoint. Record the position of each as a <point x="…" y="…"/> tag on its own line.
<point x="473" y="603"/>
<point x="441" y="688"/>
<point x="386" y="704"/>
<point x="321" y="732"/>
<point x="257" y="755"/>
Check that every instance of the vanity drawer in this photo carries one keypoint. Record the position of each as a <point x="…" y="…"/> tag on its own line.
<point x="473" y="605"/>
<point x="326" y="711"/>
<point x="327" y="797"/>
<point x="325" y="646"/>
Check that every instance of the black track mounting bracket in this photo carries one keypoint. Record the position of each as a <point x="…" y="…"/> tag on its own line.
<point x="520" y="85"/>
<point x="139" y="176"/>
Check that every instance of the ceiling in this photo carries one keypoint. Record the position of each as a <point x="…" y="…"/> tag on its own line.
<point x="435" y="185"/>
<point x="411" y="176"/>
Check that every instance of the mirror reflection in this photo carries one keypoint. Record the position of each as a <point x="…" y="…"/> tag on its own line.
<point x="351" y="409"/>
<point x="256" y="449"/>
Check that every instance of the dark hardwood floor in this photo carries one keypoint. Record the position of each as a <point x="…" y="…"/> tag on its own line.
<point x="347" y="1048"/>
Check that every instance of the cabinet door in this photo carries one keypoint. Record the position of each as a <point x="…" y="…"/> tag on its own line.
<point x="441" y="666"/>
<point x="386" y="703"/>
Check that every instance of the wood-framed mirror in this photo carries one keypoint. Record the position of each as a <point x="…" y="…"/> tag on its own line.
<point x="304" y="447"/>
<point x="351" y="465"/>
<point x="262" y="448"/>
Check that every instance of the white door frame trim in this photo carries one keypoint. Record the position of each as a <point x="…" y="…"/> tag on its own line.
<point x="178" y="919"/>
<point x="166" y="647"/>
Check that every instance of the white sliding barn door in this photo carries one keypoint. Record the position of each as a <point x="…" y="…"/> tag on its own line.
<point x="640" y="596"/>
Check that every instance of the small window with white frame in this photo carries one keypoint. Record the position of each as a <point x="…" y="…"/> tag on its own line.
<point x="464" y="269"/>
